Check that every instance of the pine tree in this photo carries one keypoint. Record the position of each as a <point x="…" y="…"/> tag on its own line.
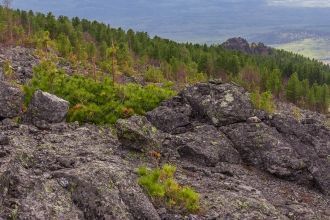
<point x="311" y="99"/>
<point x="9" y="16"/>
<point x="324" y="99"/>
<point x="64" y="45"/>
<point x="273" y="82"/>
<point x="293" y="88"/>
<point x="112" y="58"/>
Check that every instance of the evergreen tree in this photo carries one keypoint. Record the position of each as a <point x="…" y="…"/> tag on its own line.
<point x="273" y="82"/>
<point x="293" y="88"/>
<point x="64" y="45"/>
<point x="324" y="99"/>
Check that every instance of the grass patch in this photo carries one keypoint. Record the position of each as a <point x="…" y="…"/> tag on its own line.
<point x="160" y="184"/>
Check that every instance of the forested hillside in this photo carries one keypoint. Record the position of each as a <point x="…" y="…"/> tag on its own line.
<point x="96" y="51"/>
<point x="99" y="122"/>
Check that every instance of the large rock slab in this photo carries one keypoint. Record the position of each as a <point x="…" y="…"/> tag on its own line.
<point x="264" y="147"/>
<point x="37" y="183"/>
<point x="137" y="133"/>
<point x="204" y="145"/>
<point x="220" y="104"/>
<point x="11" y="101"/>
<point x="45" y="107"/>
<point x="172" y="116"/>
<point x="311" y="140"/>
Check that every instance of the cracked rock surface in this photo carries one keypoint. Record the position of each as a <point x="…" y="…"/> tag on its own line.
<point x="245" y="164"/>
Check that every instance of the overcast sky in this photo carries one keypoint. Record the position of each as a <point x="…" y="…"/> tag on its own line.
<point x="301" y="3"/>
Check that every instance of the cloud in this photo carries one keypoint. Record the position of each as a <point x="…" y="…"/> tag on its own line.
<point x="300" y="3"/>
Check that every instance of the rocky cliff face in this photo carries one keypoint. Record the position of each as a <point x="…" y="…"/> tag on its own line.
<point x="242" y="45"/>
<point x="245" y="163"/>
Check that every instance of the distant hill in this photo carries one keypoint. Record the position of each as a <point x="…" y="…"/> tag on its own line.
<point x="211" y="21"/>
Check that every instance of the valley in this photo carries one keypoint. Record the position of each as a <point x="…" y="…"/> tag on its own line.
<point x="316" y="48"/>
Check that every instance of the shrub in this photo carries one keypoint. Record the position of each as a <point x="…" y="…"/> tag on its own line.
<point x="263" y="101"/>
<point x="92" y="101"/>
<point x="161" y="185"/>
<point x="154" y="75"/>
<point x="197" y="77"/>
<point x="7" y="69"/>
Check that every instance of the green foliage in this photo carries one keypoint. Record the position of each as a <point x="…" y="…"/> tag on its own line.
<point x="293" y="88"/>
<point x="63" y="45"/>
<point x="160" y="184"/>
<point x="263" y="101"/>
<point x="315" y="97"/>
<point x="92" y="45"/>
<point x="91" y="101"/>
<point x="273" y="82"/>
<point x="154" y="75"/>
<point x="7" y="69"/>
<point x="197" y="77"/>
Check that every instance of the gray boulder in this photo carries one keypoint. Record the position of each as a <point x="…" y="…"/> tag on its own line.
<point x="46" y="108"/>
<point x="11" y="101"/>
<point x="222" y="104"/>
<point x="262" y="146"/>
<point x="4" y="140"/>
<point x="254" y="119"/>
<point x="137" y="133"/>
<point x="312" y="142"/>
<point x="172" y="116"/>
<point x="205" y="145"/>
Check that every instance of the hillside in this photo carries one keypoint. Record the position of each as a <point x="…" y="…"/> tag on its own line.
<point x="98" y="51"/>
<point x="102" y="123"/>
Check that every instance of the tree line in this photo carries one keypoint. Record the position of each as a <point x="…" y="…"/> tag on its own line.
<point x="93" y="48"/>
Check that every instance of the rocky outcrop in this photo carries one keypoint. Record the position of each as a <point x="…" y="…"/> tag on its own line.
<point x="11" y="101"/>
<point x="172" y="117"/>
<point x="237" y="43"/>
<point x="280" y="145"/>
<point x="311" y="141"/>
<point x="264" y="147"/>
<point x="242" y="45"/>
<point x="219" y="104"/>
<point x="68" y="172"/>
<point x="46" y="108"/>
<point x="245" y="164"/>
<point x="204" y="145"/>
<point x="137" y="133"/>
